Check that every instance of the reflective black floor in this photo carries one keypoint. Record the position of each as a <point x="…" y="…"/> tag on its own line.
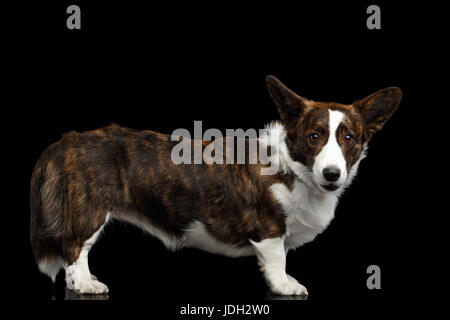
<point x="271" y="296"/>
<point x="72" y="295"/>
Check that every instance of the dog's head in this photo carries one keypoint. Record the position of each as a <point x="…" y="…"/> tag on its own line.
<point x="329" y="138"/>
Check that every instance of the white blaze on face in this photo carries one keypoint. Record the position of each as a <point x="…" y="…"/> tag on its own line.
<point x="331" y="154"/>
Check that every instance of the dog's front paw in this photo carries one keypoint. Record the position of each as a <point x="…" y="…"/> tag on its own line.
<point x="303" y="291"/>
<point x="288" y="287"/>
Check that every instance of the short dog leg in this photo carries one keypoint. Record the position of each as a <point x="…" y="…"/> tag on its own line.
<point x="78" y="276"/>
<point x="272" y="261"/>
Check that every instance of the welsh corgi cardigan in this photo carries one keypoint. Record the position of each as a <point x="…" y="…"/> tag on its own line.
<point x="86" y="179"/>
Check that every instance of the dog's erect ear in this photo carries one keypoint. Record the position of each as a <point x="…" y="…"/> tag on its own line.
<point x="377" y="108"/>
<point x="290" y="105"/>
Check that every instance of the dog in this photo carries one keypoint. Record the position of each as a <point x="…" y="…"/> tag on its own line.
<point x="86" y="179"/>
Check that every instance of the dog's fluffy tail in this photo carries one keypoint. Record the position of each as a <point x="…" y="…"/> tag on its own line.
<point x="44" y="198"/>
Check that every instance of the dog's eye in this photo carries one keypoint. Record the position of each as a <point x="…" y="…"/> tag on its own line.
<point x="314" y="137"/>
<point x="348" y="138"/>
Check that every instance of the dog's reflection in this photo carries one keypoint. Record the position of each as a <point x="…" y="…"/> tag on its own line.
<point x="272" y="296"/>
<point x="72" y="295"/>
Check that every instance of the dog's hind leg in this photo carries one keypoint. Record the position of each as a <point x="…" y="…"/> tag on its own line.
<point x="78" y="276"/>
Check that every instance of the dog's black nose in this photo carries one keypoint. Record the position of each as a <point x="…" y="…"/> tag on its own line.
<point x="331" y="173"/>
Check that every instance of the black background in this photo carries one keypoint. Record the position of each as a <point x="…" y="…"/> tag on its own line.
<point x="161" y="68"/>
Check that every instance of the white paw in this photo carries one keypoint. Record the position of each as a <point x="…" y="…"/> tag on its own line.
<point x="288" y="287"/>
<point x="83" y="282"/>
<point x="303" y="291"/>
<point x="91" y="287"/>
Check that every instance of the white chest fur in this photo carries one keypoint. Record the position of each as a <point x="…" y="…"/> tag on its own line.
<point x="308" y="212"/>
